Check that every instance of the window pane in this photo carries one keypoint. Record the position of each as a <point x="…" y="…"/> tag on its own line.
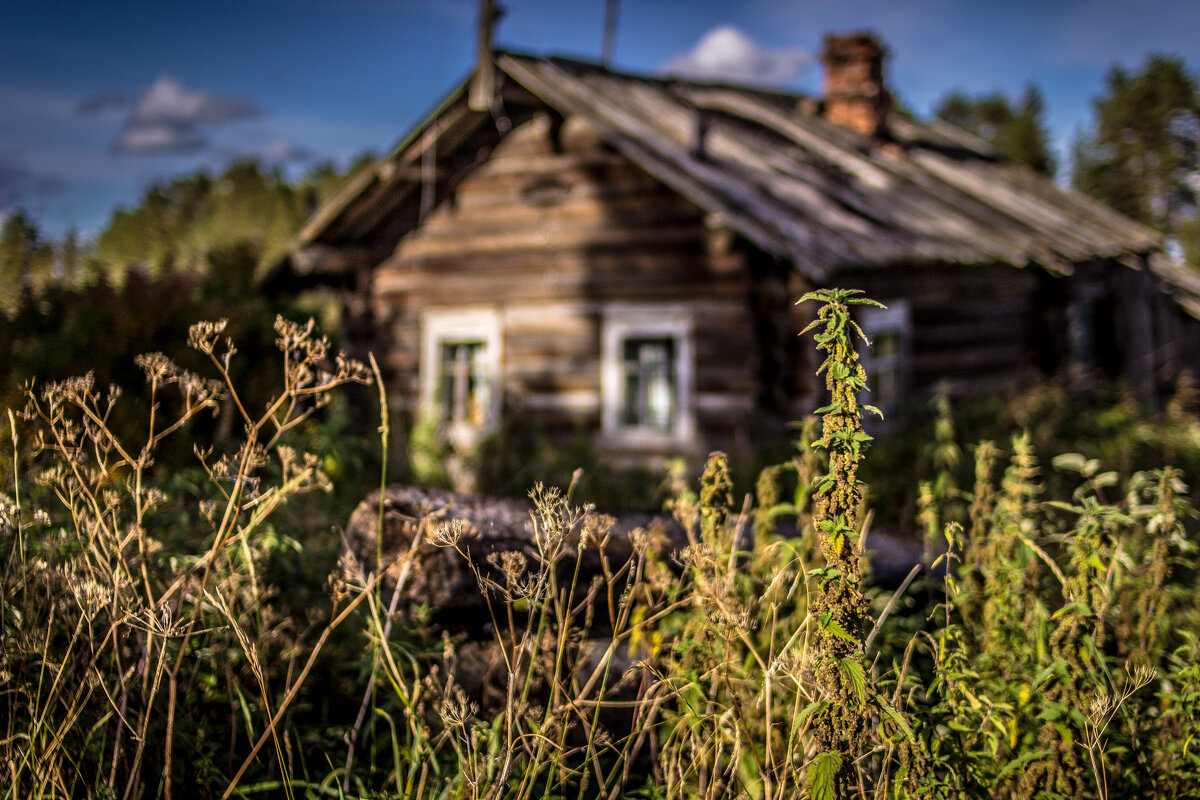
<point x="465" y="392"/>
<point x="649" y="382"/>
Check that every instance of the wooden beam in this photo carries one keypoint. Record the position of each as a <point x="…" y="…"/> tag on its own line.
<point x="483" y="83"/>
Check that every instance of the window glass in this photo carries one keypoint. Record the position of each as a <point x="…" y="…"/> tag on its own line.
<point x="648" y="368"/>
<point x="464" y="391"/>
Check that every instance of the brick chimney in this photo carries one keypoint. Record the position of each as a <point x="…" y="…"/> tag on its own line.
<point x="853" y="83"/>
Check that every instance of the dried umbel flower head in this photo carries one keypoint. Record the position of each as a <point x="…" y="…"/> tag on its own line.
<point x="158" y="367"/>
<point x="448" y="533"/>
<point x="203" y="335"/>
<point x="455" y="710"/>
<point x="348" y="576"/>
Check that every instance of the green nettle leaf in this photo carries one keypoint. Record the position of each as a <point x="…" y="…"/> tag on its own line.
<point x="810" y="709"/>
<point x="895" y="716"/>
<point x="1070" y="462"/>
<point x="820" y="775"/>
<point x="828" y="623"/>
<point x="853" y="672"/>
<point x="1077" y="607"/>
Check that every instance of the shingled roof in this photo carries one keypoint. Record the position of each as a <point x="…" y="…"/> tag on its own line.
<point x="768" y="166"/>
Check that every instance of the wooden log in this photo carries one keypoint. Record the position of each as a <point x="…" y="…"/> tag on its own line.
<point x="447" y="579"/>
<point x="417" y="523"/>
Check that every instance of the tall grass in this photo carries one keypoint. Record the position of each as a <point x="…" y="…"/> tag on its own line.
<point x="162" y="633"/>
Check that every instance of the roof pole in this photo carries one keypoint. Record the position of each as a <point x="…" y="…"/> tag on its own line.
<point x="610" y="32"/>
<point x="483" y="84"/>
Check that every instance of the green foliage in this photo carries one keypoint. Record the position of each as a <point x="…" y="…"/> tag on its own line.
<point x="158" y="604"/>
<point x="26" y="259"/>
<point x="152" y="613"/>
<point x="1014" y="126"/>
<point x="1140" y="156"/>
<point x="178" y="226"/>
<point x="194" y="249"/>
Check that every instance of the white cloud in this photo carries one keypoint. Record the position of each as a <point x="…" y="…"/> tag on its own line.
<point x="168" y="118"/>
<point x="275" y="153"/>
<point x="725" y="53"/>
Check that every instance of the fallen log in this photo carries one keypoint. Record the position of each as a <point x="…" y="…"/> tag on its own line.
<point x="449" y="544"/>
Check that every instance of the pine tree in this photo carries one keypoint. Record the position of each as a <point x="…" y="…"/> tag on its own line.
<point x="1013" y="126"/>
<point x="1142" y="156"/>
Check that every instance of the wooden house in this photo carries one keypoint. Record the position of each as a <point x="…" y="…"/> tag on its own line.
<point x="621" y="254"/>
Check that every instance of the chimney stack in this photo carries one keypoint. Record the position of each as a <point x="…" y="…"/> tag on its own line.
<point x="853" y="83"/>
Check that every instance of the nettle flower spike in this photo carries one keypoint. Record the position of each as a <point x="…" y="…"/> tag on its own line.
<point x="839" y="726"/>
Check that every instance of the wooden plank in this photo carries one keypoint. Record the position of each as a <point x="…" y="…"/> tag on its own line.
<point x="977" y="358"/>
<point x="563" y="262"/>
<point x="459" y="288"/>
<point x="578" y="184"/>
<point x="518" y="213"/>
<point x="601" y="235"/>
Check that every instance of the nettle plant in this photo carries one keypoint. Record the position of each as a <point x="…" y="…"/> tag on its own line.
<point x="843" y="714"/>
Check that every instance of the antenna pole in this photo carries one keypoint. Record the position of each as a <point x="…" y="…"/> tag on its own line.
<point x="483" y="84"/>
<point x="610" y="31"/>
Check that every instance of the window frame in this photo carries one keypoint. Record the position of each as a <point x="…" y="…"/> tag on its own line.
<point x="623" y="322"/>
<point x="441" y="327"/>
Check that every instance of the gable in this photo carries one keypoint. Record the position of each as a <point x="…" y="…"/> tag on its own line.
<point x="798" y="187"/>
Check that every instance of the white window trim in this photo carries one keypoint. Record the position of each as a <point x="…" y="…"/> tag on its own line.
<point x="632" y="320"/>
<point x="874" y="321"/>
<point x="460" y="324"/>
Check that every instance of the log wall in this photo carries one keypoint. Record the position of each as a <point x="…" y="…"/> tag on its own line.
<point x="550" y="231"/>
<point x="973" y="326"/>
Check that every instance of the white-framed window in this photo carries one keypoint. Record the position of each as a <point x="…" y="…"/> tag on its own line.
<point x="887" y="359"/>
<point x="460" y="370"/>
<point x="646" y="367"/>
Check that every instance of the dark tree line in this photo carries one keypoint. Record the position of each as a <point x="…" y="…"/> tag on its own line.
<point x="193" y="249"/>
<point x="1140" y="155"/>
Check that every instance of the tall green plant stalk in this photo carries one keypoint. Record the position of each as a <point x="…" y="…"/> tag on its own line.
<point x="840" y="609"/>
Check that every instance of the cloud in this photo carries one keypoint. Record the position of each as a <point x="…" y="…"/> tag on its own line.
<point x="725" y="53"/>
<point x="280" y="151"/>
<point x="169" y="118"/>
<point x="275" y="153"/>
<point x="19" y="184"/>
<point x="99" y="103"/>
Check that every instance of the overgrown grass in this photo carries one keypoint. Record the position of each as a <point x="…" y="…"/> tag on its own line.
<point x="169" y="635"/>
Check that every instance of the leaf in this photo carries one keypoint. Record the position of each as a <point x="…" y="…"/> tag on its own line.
<point x="1021" y="761"/>
<point x="898" y="718"/>
<point x="1070" y="462"/>
<point x="853" y="672"/>
<point x="1077" y="607"/>
<point x="810" y="709"/>
<point x="821" y="773"/>
<point x="1056" y="667"/>
<point x="831" y="625"/>
<point x="862" y="301"/>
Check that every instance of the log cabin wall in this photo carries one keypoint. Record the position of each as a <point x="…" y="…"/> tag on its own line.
<point x="551" y="232"/>
<point x="972" y="326"/>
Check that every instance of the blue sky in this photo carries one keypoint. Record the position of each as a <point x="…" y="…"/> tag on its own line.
<point x="98" y="100"/>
